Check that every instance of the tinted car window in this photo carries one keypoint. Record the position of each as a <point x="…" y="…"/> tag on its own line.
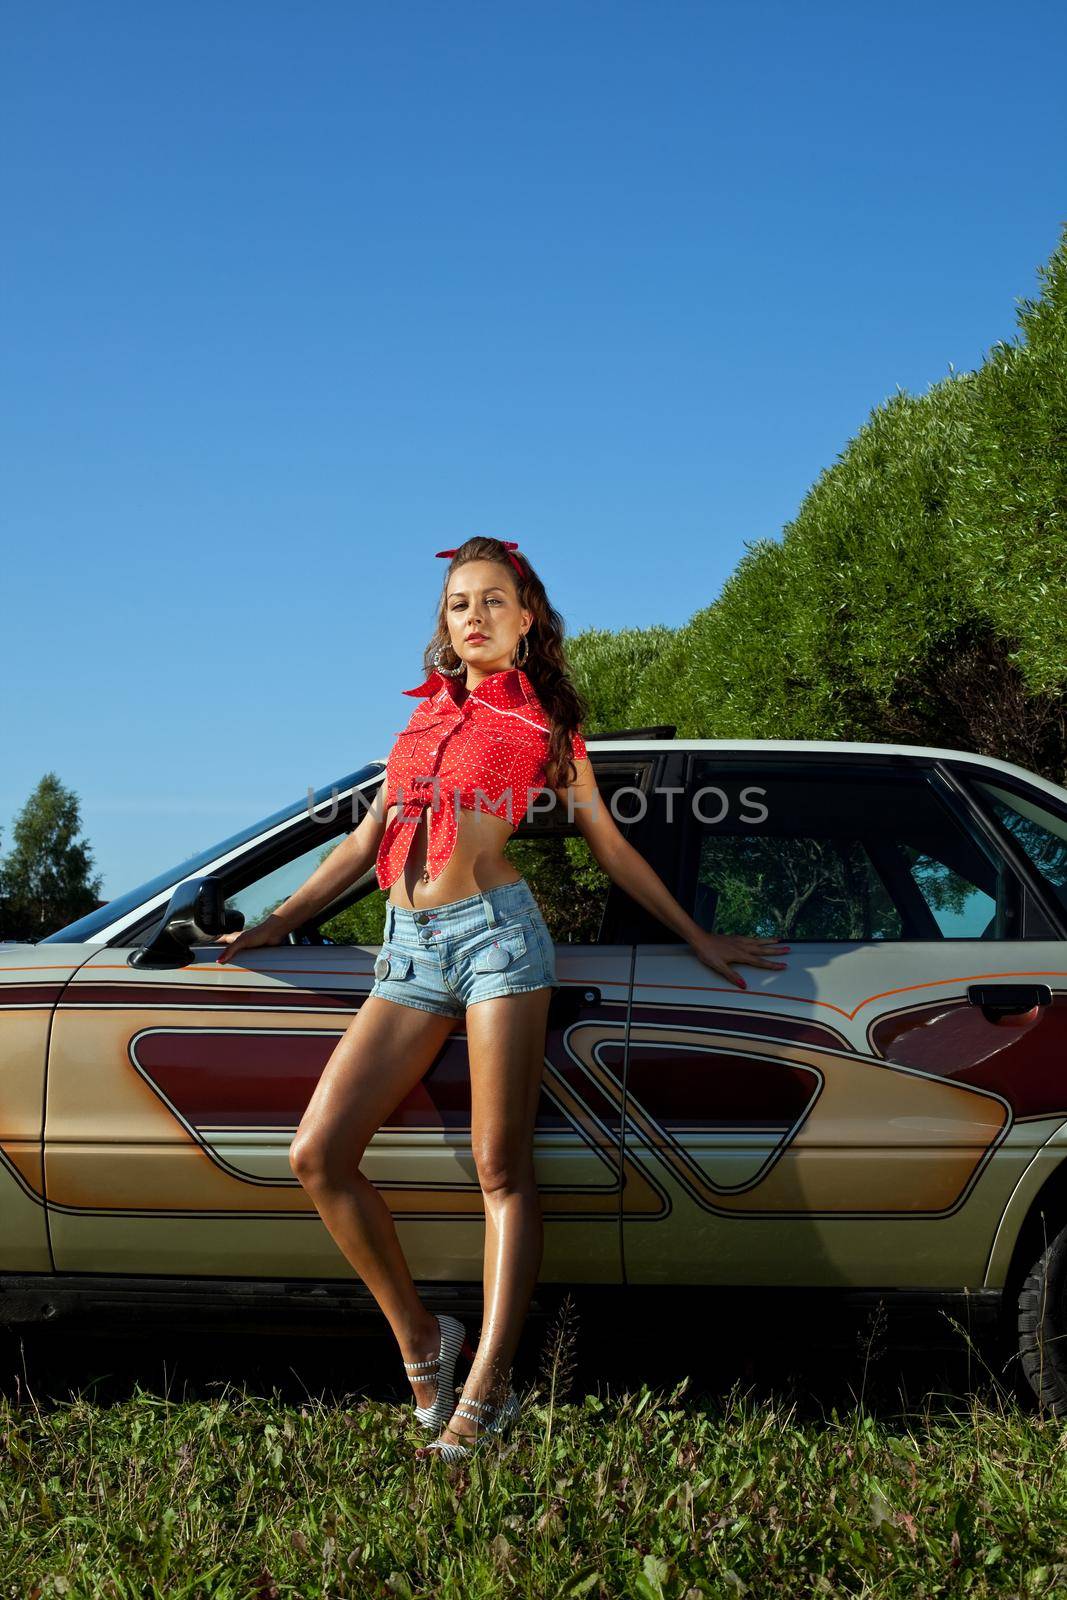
<point x="961" y="908"/>
<point x="265" y="894"/>
<point x="834" y="854"/>
<point x="1036" y="829"/>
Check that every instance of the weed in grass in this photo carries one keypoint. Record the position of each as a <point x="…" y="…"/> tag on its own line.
<point x="558" y="1357"/>
<point x="872" y="1345"/>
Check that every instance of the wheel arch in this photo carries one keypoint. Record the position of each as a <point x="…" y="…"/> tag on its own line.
<point x="1033" y="1216"/>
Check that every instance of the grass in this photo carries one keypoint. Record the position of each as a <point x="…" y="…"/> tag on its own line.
<point x="650" y="1494"/>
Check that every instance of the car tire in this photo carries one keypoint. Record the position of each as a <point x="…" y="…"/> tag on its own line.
<point x="1041" y="1338"/>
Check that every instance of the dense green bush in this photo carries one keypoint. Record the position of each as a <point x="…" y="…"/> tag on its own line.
<point x="918" y="595"/>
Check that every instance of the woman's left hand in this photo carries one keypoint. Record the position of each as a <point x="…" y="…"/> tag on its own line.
<point x="717" y="950"/>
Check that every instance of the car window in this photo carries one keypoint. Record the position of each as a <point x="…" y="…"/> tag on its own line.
<point x="360" y="922"/>
<point x="572" y="890"/>
<point x="961" y="908"/>
<point x="810" y="853"/>
<point x="1037" y="830"/>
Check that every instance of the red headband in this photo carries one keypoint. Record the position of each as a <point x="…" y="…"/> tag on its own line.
<point x="509" y="546"/>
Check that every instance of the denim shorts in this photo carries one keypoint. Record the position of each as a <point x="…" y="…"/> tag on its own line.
<point x="445" y="958"/>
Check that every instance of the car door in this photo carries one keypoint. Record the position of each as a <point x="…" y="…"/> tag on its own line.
<point x="174" y="1090"/>
<point x="860" y="1117"/>
<point x="174" y="1094"/>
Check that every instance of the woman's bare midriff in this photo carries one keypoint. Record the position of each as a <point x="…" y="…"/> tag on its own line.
<point x="477" y="862"/>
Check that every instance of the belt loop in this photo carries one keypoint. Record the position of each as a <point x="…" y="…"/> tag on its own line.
<point x="490" y="914"/>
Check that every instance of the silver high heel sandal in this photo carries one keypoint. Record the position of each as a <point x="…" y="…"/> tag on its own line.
<point x="493" y="1421"/>
<point x="454" y="1343"/>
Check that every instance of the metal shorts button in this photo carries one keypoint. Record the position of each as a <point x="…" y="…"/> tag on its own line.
<point x="493" y="957"/>
<point x="392" y="964"/>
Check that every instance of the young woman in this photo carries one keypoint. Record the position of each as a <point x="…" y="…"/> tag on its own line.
<point x="497" y="725"/>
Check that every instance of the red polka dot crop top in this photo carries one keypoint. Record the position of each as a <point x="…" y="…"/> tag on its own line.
<point x="482" y="749"/>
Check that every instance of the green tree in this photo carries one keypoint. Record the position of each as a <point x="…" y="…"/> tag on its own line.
<point x="917" y="597"/>
<point x="45" y="881"/>
<point x="1009" y="503"/>
<point x="610" y="670"/>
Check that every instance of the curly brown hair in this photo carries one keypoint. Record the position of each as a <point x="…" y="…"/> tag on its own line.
<point x="545" y="666"/>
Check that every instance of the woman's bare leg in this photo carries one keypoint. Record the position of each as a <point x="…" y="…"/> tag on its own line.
<point x="382" y="1056"/>
<point x="506" y="1047"/>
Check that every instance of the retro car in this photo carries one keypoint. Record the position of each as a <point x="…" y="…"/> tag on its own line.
<point x="887" y="1115"/>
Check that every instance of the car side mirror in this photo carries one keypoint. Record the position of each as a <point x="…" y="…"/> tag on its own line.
<point x="196" y="914"/>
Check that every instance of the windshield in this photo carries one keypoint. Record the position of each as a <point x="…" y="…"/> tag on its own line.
<point x="87" y="927"/>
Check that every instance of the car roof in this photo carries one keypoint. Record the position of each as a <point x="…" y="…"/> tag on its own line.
<point x="827" y="747"/>
<point x="818" y="747"/>
<point x="832" y="747"/>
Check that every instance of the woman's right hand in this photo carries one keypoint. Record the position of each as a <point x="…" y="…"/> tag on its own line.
<point x="270" y="931"/>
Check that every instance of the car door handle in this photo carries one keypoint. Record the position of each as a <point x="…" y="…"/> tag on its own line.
<point x="1008" y="999"/>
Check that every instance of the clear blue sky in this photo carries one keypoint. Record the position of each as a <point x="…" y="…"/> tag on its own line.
<point x="293" y="296"/>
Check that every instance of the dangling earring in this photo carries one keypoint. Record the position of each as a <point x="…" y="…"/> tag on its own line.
<point x="523" y="640"/>
<point x="451" y="672"/>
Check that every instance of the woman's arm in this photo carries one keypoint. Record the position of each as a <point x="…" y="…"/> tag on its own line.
<point x="629" y="869"/>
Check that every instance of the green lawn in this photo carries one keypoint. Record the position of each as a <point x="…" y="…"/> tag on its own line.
<point x="647" y="1493"/>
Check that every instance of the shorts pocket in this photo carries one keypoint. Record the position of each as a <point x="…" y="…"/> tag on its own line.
<point x="392" y="964"/>
<point x="500" y="951"/>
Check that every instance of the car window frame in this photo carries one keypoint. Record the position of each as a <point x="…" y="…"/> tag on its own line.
<point x="959" y="778"/>
<point x="658" y="845"/>
<point x="925" y="768"/>
<point x="264" y="856"/>
<point x="624" y="921"/>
